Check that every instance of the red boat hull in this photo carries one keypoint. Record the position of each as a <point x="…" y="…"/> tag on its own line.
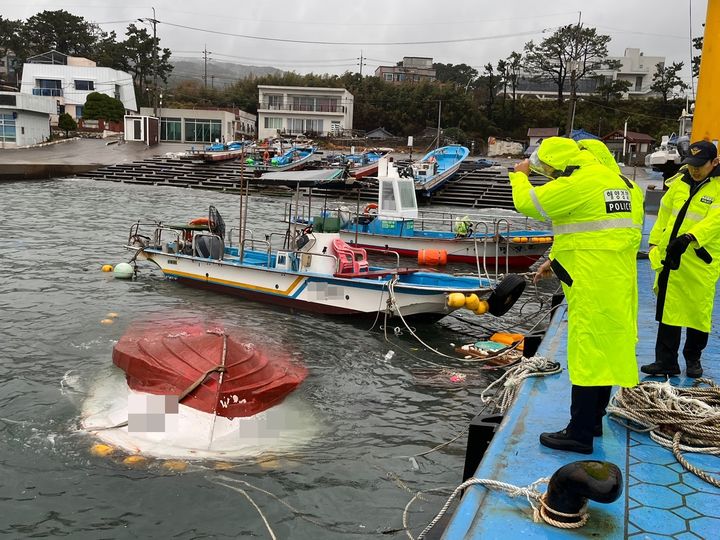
<point x="235" y="378"/>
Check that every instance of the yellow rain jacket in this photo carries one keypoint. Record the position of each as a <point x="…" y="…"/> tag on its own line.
<point x="597" y="219"/>
<point x="686" y="295"/>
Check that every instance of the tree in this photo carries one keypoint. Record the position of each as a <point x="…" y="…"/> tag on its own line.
<point x="461" y="74"/>
<point x="140" y="50"/>
<point x="666" y="80"/>
<point x="697" y="45"/>
<point x="490" y="83"/>
<point x="514" y="62"/>
<point x="572" y="51"/>
<point x="61" y="31"/>
<point x="609" y="89"/>
<point x="100" y="106"/>
<point x="66" y="123"/>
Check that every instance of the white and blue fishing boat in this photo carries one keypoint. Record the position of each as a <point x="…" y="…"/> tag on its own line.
<point x="293" y="159"/>
<point x="221" y="152"/>
<point x="395" y="223"/>
<point x="313" y="269"/>
<point x="359" y="165"/>
<point x="437" y="167"/>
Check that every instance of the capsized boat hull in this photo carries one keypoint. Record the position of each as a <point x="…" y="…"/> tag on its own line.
<point x="229" y="376"/>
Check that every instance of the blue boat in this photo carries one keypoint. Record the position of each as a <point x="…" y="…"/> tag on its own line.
<point x="437" y="167"/>
<point x="360" y="164"/>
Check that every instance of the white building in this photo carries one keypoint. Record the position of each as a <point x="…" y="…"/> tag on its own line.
<point x="638" y="69"/>
<point x="69" y="80"/>
<point x="24" y="120"/>
<point x="203" y="125"/>
<point x="295" y="110"/>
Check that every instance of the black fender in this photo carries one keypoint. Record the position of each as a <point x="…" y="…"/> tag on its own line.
<point x="506" y="294"/>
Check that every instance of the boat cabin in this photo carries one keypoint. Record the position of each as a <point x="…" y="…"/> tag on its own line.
<point x="397" y="203"/>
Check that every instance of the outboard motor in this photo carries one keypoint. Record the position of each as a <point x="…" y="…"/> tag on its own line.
<point x="573" y="484"/>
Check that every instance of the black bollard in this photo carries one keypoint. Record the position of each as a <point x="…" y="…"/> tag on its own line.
<point x="573" y="484"/>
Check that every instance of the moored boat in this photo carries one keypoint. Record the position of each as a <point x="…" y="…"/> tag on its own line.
<point x="437" y="167"/>
<point x="395" y="223"/>
<point x="359" y="165"/>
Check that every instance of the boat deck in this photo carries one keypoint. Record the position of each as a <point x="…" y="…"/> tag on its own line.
<point x="660" y="499"/>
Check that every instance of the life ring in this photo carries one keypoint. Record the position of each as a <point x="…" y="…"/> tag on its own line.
<point x="506" y="294"/>
<point x="370" y="207"/>
<point x="199" y="221"/>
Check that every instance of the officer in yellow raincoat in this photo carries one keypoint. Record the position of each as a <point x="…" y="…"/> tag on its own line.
<point x="596" y="215"/>
<point x="685" y="254"/>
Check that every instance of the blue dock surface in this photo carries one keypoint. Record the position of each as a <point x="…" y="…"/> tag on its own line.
<point x="660" y="498"/>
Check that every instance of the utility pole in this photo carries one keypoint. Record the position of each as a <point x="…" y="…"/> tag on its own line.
<point x="437" y="143"/>
<point x="212" y="81"/>
<point x="573" y="66"/>
<point x="205" y="55"/>
<point x="362" y="63"/>
<point x="154" y="22"/>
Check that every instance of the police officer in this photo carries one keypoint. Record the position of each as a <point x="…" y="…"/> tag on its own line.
<point x="689" y="217"/>
<point x="596" y="215"/>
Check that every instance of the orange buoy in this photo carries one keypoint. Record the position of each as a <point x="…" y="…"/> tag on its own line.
<point x="507" y="338"/>
<point x="432" y="257"/>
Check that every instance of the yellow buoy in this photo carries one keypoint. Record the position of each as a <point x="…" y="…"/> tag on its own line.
<point x="482" y="308"/>
<point x="101" y="450"/>
<point x="113" y="315"/>
<point x="134" y="460"/>
<point x="107" y="321"/>
<point x="472" y="302"/>
<point x="107" y="267"/>
<point x="175" y="465"/>
<point x="456" y="300"/>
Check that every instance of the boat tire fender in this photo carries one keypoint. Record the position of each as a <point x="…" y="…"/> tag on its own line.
<point x="506" y="294"/>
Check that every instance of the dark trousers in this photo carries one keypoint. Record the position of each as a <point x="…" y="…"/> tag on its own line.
<point x="668" y="343"/>
<point x="587" y="409"/>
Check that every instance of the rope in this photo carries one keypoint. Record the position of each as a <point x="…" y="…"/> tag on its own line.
<point x="536" y="366"/>
<point x="189" y="390"/>
<point x="541" y="511"/>
<point x="681" y="419"/>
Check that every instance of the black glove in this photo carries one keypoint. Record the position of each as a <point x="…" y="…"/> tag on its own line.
<point x="675" y="250"/>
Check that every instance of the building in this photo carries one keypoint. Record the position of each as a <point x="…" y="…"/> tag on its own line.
<point x="633" y="150"/>
<point x="379" y="133"/>
<point x="536" y="135"/>
<point x="69" y="80"/>
<point x="637" y="69"/>
<point x="202" y="125"/>
<point x="24" y="119"/>
<point x="295" y="110"/>
<point x="413" y="69"/>
<point x="634" y="67"/>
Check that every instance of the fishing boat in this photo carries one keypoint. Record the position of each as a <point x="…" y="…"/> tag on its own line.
<point x="220" y="152"/>
<point x="193" y="390"/>
<point x="667" y="158"/>
<point x="359" y="165"/>
<point x="436" y="167"/>
<point x="395" y="223"/>
<point x="293" y="159"/>
<point x="313" y="269"/>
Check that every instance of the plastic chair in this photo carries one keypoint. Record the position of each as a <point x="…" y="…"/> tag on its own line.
<point x="350" y="259"/>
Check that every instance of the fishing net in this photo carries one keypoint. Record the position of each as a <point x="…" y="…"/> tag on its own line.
<point x="216" y="224"/>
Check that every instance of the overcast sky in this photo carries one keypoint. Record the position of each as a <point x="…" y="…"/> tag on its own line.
<point x="385" y="30"/>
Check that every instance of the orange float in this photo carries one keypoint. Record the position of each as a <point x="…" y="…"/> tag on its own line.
<point x="432" y="257"/>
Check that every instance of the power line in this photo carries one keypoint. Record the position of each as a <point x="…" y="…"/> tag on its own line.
<point x="364" y="43"/>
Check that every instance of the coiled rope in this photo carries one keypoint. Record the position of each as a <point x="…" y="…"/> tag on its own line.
<point x="536" y="366"/>
<point x="541" y="511"/>
<point x="682" y="419"/>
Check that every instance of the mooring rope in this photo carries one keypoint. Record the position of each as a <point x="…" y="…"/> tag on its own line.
<point x="541" y="511"/>
<point x="681" y="419"/>
<point x="536" y="366"/>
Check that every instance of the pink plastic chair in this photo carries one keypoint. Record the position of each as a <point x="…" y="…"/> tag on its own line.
<point x="351" y="260"/>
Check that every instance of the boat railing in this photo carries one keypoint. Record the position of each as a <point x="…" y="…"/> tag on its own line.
<point x="482" y="270"/>
<point x="504" y="238"/>
<point x="235" y="233"/>
<point x="252" y="242"/>
<point x="386" y="252"/>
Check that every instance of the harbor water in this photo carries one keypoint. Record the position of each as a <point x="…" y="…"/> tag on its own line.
<point x="350" y="478"/>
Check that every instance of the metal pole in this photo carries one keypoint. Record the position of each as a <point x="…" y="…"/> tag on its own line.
<point x="625" y="139"/>
<point x="437" y="143"/>
<point x="155" y="65"/>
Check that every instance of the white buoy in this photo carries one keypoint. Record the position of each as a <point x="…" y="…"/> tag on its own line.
<point x="123" y="271"/>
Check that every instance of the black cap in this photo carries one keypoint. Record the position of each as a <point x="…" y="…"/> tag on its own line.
<point x="700" y="153"/>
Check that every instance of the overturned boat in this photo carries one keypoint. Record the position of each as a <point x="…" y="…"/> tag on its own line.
<point x="193" y="390"/>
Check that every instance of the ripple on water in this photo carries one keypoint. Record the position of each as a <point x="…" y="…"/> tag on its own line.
<point x="53" y="297"/>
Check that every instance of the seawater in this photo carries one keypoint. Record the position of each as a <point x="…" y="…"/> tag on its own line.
<point x="351" y="479"/>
